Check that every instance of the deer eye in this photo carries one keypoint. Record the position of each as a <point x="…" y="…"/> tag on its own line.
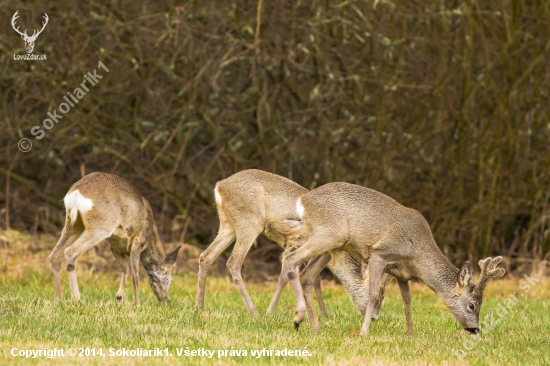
<point x="471" y="306"/>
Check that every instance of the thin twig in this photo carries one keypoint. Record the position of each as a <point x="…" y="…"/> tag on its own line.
<point x="257" y="36"/>
<point x="8" y="175"/>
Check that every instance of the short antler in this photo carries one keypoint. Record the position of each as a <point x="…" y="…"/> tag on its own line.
<point x="13" y="19"/>
<point x="489" y="271"/>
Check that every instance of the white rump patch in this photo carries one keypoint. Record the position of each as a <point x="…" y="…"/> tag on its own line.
<point x="75" y="202"/>
<point x="217" y="195"/>
<point x="300" y="208"/>
<point x="84" y="204"/>
<point x="70" y="199"/>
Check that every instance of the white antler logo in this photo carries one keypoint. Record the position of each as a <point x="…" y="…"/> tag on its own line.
<point x="29" y="41"/>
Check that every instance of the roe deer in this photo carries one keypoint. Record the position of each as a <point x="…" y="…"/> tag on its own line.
<point x="254" y="202"/>
<point x="104" y="206"/>
<point x="391" y="238"/>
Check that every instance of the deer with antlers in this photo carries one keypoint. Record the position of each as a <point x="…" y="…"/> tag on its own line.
<point x="104" y="206"/>
<point x="393" y="239"/>
<point x="29" y="40"/>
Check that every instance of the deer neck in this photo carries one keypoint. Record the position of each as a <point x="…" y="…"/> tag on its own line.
<point x="437" y="272"/>
<point x="151" y="257"/>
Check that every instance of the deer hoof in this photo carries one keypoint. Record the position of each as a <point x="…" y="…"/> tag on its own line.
<point x="119" y="298"/>
<point x="296" y="326"/>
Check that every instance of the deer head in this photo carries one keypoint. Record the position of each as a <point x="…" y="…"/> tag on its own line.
<point x="29" y="40"/>
<point x="465" y="304"/>
<point x="160" y="276"/>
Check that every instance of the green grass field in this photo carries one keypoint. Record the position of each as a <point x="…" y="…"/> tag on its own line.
<point x="31" y="319"/>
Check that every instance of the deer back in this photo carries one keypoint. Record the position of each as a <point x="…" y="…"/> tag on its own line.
<point x="369" y="219"/>
<point x="257" y="196"/>
<point x="109" y="202"/>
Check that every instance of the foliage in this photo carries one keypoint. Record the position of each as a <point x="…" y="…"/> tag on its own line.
<point x="441" y="105"/>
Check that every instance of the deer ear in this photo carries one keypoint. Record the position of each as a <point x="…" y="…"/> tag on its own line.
<point x="171" y="258"/>
<point x="465" y="275"/>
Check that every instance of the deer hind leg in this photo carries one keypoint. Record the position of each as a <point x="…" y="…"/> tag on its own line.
<point x="406" y="295"/>
<point x="376" y="270"/>
<point x="86" y="241"/>
<point x="283" y="280"/>
<point x="309" y="277"/>
<point x="318" y="244"/>
<point x="245" y="238"/>
<point x="282" y="283"/>
<point x="123" y="261"/>
<point x="225" y="237"/>
<point x="68" y="237"/>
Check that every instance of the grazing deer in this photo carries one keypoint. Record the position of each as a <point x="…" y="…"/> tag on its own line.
<point x="254" y="202"/>
<point x="104" y="206"/>
<point x="341" y="217"/>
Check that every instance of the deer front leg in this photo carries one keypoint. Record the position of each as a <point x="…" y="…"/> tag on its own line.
<point x="406" y="295"/>
<point x="86" y="241"/>
<point x="386" y="279"/>
<point x="123" y="261"/>
<point x="376" y="270"/>
<point x="319" y="295"/>
<point x="135" y="254"/>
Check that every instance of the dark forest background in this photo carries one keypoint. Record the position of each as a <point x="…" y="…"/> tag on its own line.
<point x="442" y="105"/>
